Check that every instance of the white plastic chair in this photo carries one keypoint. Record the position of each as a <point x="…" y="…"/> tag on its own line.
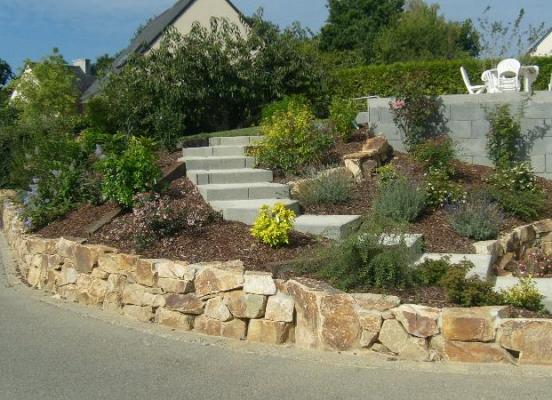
<point x="508" y="75"/>
<point x="550" y="84"/>
<point x="491" y="81"/>
<point x="472" y="89"/>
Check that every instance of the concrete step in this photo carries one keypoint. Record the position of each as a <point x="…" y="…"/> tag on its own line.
<point x="244" y="191"/>
<point x="235" y="141"/>
<point x="219" y="162"/>
<point x="482" y="262"/>
<point x="329" y="226"/>
<point x="221" y="176"/>
<point x="246" y="211"/>
<point x="214" y="151"/>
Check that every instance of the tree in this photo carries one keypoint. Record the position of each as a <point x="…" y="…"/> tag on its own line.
<point x="421" y="33"/>
<point x="355" y="24"/>
<point x="5" y="72"/>
<point x="102" y="65"/>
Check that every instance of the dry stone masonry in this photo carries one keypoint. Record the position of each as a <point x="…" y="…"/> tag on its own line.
<point x="222" y="299"/>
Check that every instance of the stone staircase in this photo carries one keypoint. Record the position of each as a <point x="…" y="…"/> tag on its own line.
<point x="228" y="180"/>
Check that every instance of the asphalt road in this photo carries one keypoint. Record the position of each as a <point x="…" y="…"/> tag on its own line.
<point x="53" y="350"/>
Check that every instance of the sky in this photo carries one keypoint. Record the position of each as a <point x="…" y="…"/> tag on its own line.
<point x="30" y="29"/>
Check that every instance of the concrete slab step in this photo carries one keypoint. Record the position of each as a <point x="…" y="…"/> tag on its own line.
<point x="235" y="141"/>
<point x="240" y="175"/>
<point x="244" y="191"/>
<point x="214" y="151"/>
<point x="482" y="262"/>
<point x="218" y="162"/>
<point x="329" y="226"/>
<point x="246" y="211"/>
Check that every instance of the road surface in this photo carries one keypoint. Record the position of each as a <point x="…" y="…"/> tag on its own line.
<point x="53" y="350"/>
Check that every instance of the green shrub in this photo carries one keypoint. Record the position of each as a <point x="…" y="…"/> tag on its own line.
<point x="440" y="188"/>
<point x="101" y="143"/>
<point x="273" y="225"/>
<point x="478" y="218"/>
<point x="343" y="113"/>
<point x="523" y="295"/>
<point x="505" y="142"/>
<point x="291" y="141"/>
<point x="400" y="200"/>
<point x="330" y="187"/>
<point x="468" y="292"/>
<point x="525" y="205"/>
<point x="430" y="272"/>
<point x="386" y="174"/>
<point x="436" y="153"/>
<point x="515" y="177"/>
<point x="388" y="269"/>
<point x="134" y="171"/>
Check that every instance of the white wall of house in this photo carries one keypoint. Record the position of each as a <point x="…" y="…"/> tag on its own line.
<point x="202" y="11"/>
<point x="544" y="48"/>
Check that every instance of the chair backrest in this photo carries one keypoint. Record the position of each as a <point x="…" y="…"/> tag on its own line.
<point x="508" y="68"/>
<point x="466" y="79"/>
<point x="491" y="81"/>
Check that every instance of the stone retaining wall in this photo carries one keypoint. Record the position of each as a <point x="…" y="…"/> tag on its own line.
<point x="468" y="126"/>
<point x="222" y="299"/>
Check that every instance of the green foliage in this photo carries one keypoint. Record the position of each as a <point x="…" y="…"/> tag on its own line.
<point x="94" y="141"/>
<point x="441" y="189"/>
<point x="516" y="177"/>
<point x="5" y="72"/>
<point x="419" y="117"/>
<point x="291" y="140"/>
<point x="209" y="80"/>
<point x="355" y="24"/>
<point x="477" y="218"/>
<point x="526" y="205"/>
<point x="430" y="272"/>
<point x="505" y="142"/>
<point x="134" y="171"/>
<point x="422" y="34"/>
<point x="400" y="200"/>
<point x="436" y="153"/>
<point x="525" y="295"/>
<point x="388" y="269"/>
<point x="433" y="77"/>
<point x="273" y="225"/>
<point x="343" y="113"/>
<point x="468" y="292"/>
<point x="387" y="173"/>
<point x="328" y="187"/>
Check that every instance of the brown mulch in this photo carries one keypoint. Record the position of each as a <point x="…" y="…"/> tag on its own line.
<point x="166" y="160"/>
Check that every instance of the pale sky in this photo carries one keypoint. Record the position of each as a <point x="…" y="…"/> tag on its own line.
<point x="89" y="28"/>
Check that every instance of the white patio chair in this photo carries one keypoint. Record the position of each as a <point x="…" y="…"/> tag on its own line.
<point x="550" y="84"/>
<point x="491" y="81"/>
<point x="472" y="89"/>
<point x="508" y="75"/>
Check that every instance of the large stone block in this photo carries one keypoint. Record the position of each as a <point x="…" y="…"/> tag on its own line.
<point x="142" y="314"/>
<point x="265" y="331"/>
<point x="208" y="326"/>
<point x="216" y="278"/>
<point x="177" y="286"/>
<point x="174" y="319"/>
<point x="379" y="302"/>
<point x="65" y="248"/>
<point x="531" y="338"/>
<point x="245" y="305"/>
<point x="280" y="308"/>
<point x="174" y="270"/>
<point x="474" y="352"/>
<point x="395" y="338"/>
<point x="86" y="257"/>
<point x="98" y="290"/>
<point x="235" y="329"/>
<point x="145" y="272"/>
<point x="185" y="303"/>
<point x="68" y="276"/>
<point x="340" y="327"/>
<point x="259" y="283"/>
<point x="418" y="320"/>
<point x="216" y="309"/>
<point x="477" y="324"/>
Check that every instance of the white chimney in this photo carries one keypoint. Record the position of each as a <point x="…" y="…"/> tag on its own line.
<point x="83" y="64"/>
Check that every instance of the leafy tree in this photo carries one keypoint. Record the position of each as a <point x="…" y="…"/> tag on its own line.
<point x="102" y="65"/>
<point x="355" y="24"/>
<point x="5" y="72"/>
<point x="207" y="80"/>
<point x="421" y="33"/>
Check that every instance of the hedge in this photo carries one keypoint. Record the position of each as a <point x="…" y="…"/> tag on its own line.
<point x="441" y="77"/>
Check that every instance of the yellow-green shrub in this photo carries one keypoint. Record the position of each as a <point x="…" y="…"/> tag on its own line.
<point x="273" y="225"/>
<point x="523" y="295"/>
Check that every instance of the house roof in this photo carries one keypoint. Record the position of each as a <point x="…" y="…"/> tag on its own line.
<point x="147" y="37"/>
<point x="536" y="44"/>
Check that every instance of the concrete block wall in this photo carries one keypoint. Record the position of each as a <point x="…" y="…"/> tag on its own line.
<point x="467" y="124"/>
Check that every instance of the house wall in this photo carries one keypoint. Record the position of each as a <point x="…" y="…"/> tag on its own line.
<point x="202" y="11"/>
<point x="468" y="126"/>
<point x="544" y="48"/>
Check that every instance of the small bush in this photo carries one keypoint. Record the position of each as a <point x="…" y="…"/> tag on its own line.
<point x="134" y="171"/>
<point x="478" y="218"/>
<point x="400" y="200"/>
<point x="525" y="205"/>
<point x="330" y="187"/>
<point x="291" y="141"/>
<point x="386" y="174"/>
<point x="343" y="113"/>
<point x="523" y="295"/>
<point x="516" y="177"/>
<point x="505" y="143"/>
<point x="430" y="272"/>
<point x="388" y="269"/>
<point x="468" y="292"/>
<point x="273" y="225"/>
<point x="436" y="153"/>
<point x="441" y="190"/>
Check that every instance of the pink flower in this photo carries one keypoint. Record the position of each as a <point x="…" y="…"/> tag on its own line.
<point x="398" y="104"/>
